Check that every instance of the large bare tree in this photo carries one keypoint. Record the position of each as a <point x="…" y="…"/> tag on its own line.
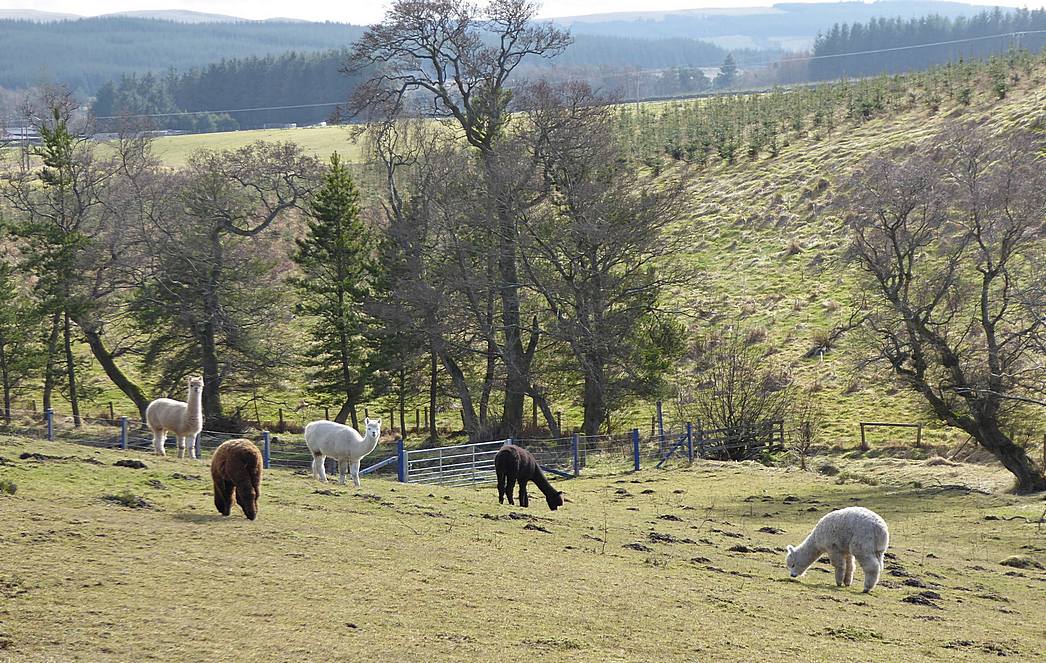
<point x="452" y="60"/>
<point x="947" y="240"/>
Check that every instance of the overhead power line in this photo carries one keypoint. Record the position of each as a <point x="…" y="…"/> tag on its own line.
<point x="742" y="64"/>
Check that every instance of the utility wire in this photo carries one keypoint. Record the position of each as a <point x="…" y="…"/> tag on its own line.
<point x="629" y="74"/>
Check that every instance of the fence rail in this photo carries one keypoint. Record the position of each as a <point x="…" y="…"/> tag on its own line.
<point x="455" y="465"/>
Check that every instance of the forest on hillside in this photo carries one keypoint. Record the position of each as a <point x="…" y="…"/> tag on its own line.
<point x="896" y="33"/>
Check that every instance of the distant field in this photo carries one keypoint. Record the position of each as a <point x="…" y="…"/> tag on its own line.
<point x="318" y="141"/>
<point x="683" y="564"/>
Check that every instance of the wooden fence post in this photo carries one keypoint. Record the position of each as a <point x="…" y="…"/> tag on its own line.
<point x="864" y="444"/>
<point x="401" y="454"/>
<point x="123" y="432"/>
<point x="266" y="450"/>
<point x="327" y="412"/>
<point x="919" y="436"/>
<point x="49" y="417"/>
<point x="574" y="447"/>
<point x="690" y="442"/>
<point x="112" y="414"/>
<point x="661" y="428"/>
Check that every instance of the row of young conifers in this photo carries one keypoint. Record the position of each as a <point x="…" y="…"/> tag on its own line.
<point x="849" y="536"/>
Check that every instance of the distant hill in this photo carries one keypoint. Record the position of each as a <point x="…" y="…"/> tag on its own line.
<point x="85" y="53"/>
<point x="787" y="25"/>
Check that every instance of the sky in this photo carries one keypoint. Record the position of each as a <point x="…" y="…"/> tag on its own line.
<point x="369" y="11"/>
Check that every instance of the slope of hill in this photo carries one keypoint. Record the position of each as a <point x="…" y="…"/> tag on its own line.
<point x="667" y="566"/>
<point x="784" y="25"/>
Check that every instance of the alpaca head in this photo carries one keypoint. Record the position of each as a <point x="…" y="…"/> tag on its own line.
<point x="793" y="565"/>
<point x="195" y="385"/>
<point x="554" y="499"/>
<point x="247" y="499"/>
<point x="372" y="427"/>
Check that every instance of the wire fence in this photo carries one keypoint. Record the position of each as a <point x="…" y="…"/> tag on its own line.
<point x="455" y="465"/>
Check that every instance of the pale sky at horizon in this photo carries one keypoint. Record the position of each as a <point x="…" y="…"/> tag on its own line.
<point x="369" y="11"/>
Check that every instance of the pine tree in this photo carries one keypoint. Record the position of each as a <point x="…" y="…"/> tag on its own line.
<point x="727" y="72"/>
<point x="19" y="354"/>
<point x="336" y="258"/>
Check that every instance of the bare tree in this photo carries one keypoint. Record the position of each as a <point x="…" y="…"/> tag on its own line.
<point x="594" y="250"/>
<point x="807" y="420"/>
<point x="449" y="59"/>
<point x="947" y="240"/>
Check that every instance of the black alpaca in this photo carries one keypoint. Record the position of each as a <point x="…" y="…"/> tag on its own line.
<point x="514" y="464"/>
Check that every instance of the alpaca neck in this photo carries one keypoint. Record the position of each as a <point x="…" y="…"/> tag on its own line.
<point x="806" y="554"/>
<point x="369" y="441"/>
<point x="542" y="483"/>
<point x="194" y="409"/>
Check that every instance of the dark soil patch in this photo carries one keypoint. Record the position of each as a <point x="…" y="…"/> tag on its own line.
<point x="129" y="500"/>
<point x="648" y="491"/>
<point x="638" y="546"/>
<point x="1021" y="562"/>
<point x="157" y="484"/>
<point x="771" y="530"/>
<point x="185" y="477"/>
<point x="669" y="516"/>
<point x="326" y="491"/>
<point x="925" y="598"/>
<point x="131" y="463"/>
<point x="732" y="535"/>
<point x="536" y="528"/>
<point x="742" y="548"/>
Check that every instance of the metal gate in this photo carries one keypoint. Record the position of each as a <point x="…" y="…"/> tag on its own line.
<point x="462" y="464"/>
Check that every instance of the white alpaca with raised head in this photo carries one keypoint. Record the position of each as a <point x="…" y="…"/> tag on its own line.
<point x="342" y="443"/>
<point x="183" y="420"/>
<point x="853" y="532"/>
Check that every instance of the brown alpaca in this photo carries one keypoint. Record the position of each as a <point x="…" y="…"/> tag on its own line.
<point x="237" y="467"/>
<point x="514" y="464"/>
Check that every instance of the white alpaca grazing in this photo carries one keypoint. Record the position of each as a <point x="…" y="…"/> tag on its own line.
<point x="342" y="443"/>
<point x="184" y="420"/>
<point x="844" y="534"/>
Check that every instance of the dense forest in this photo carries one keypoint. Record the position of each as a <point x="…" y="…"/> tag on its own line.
<point x="83" y="54"/>
<point x="296" y="79"/>
<point x="886" y="33"/>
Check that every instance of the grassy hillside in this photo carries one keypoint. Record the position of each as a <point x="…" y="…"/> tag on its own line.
<point x="318" y="141"/>
<point x="103" y="563"/>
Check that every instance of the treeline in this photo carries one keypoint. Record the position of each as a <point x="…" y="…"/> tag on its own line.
<point x="83" y="54"/>
<point x="290" y="79"/>
<point x="886" y="33"/>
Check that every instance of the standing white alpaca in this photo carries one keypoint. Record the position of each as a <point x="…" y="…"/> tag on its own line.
<point x="342" y="443"/>
<point x="184" y="420"/>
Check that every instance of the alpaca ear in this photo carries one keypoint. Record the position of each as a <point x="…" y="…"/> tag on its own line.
<point x="790" y="548"/>
<point x="366" y="421"/>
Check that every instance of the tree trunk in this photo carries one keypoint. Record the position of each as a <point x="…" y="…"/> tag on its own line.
<point x="6" y="378"/>
<point x="433" y="436"/>
<point x="52" y="350"/>
<point x="488" y="384"/>
<point x="347" y="411"/>
<point x="402" y="401"/>
<point x="1030" y="479"/>
<point x="468" y="410"/>
<point x="546" y="411"/>
<point x="70" y="370"/>
<point x="594" y="400"/>
<point x="117" y="376"/>
<point x="212" y="401"/>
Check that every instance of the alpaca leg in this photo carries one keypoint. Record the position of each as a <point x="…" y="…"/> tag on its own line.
<point x="315" y="470"/>
<point x="871" y="566"/>
<point x="341" y="471"/>
<point x="321" y="462"/>
<point x="180" y="441"/>
<point x="354" y="471"/>
<point x="524" y="500"/>
<point x="501" y="488"/>
<point x="839" y="562"/>
<point x="190" y="447"/>
<point x="848" y="578"/>
<point x="510" y="485"/>
<point x="158" y="440"/>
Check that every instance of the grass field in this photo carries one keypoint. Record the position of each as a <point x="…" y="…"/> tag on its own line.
<point x="317" y="141"/>
<point x="677" y="565"/>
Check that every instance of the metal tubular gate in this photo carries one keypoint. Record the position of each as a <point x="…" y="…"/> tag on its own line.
<point x="462" y="464"/>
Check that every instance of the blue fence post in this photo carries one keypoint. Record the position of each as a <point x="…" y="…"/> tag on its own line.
<point x="265" y="449"/>
<point x="689" y="441"/>
<point x="49" y="417"/>
<point x="635" y="448"/>
<point x="196" y="441"/>
<point x="577" y="460"/>
<point x="123" y="432"/>
<point x="401" y="455"/>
